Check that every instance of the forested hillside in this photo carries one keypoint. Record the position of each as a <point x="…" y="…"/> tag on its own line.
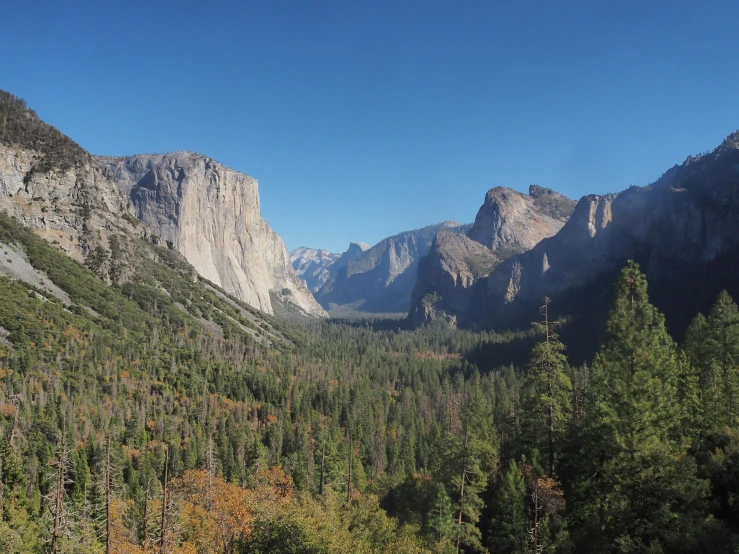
<point x="143" y="409"/>
<point x="132" y="424"/>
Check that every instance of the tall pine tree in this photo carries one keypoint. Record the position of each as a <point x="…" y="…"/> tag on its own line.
<point x="547" y="403"/>
<point x="636" y="488"/>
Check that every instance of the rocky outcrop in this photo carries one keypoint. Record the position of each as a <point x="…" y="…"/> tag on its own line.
<point x="447" y="275"/>
<point x="681" y="229"/>
<point x="210" y="214"/>
<point x="312" y="266"/>
<point x="53" y="186"/>
<point x="381" y="279"/>
<point x="510" y="220"/>
<point x="355" y="250"/>
<point x="316" y="267"/>
<point x="508" y="223"/>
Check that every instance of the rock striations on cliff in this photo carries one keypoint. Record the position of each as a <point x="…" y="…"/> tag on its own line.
<point x="381" y="278"/>
<point x="508" y="223"/>
<point x="210" y="214"/>
<point x="52" y="185"/>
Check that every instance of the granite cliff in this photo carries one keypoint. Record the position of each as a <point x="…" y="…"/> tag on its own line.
<point x="210" y="214"/>
<point x="508" y="223"/>
<point x="682" y="224"/>
<point x="681" y="229"/>
<point x="50" y="184"/>
<point x="381" y="278"/>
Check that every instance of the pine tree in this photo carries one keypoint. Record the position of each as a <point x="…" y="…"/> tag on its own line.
<point x="510" y="523"/>
<point x="722" y="345"/>
<point x="441" y="523"/>
<point x="547" y="404"/>
<point x="635" y="482"/>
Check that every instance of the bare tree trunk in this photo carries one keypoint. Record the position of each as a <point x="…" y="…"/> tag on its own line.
<point x="351" y="463"/>
<point x="146" y="518"/>
<point x="323" y="466"/>
<point x="107" y="498"/>
<point x="59" y="498"/>
<point x="2" y="491"/>
<point x="461" y="495"/>
<point x="163" y="545"/>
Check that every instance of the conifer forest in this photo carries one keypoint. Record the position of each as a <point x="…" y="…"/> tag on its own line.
<point x="127" y="425"/>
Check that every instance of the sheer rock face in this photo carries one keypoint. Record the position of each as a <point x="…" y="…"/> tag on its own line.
<point x="688" y="217"/>
<point x="355" y="250"/>
<point x="63" y="206"/>
<point x="681" y="229"/>
<point x="210" y="214"/>
<point x="508" y="223"/>
<point x="380" y="279"/>
<point x="511" y="220"/>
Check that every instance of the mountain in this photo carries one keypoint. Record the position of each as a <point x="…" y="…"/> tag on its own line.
<point x="316" y="267"/>
<point x="69" y="239"/>
<point x="381" y="278"/>
<point x="355" y="250"/>
<point x="681" y="229"/>
<point x="210" y="214"/>
<point x="509" y="222"/>
<point x="53" y="186"/>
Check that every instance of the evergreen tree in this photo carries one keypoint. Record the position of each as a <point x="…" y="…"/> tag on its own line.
<point x="510" y="523"/>
<point x="547" y="403"/>
<point x="722" y="345"/>
<point x="636" y="487"/>
<point x="440" y="522"/>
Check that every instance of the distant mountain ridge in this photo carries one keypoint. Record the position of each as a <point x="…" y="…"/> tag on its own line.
<point x="315" y="267"/>
<point x="381" y="279"/>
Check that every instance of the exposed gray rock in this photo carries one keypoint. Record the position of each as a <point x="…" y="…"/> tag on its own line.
<point x="355" y="250"/>
<point x="447" y="276"/>
<point x="380" y="279"/>
<point x="61" y="205"/>
<point x="316" y="267"/>
<point x="313" y="266"/>
<point x="13" y="263"/>
<point x="682" y="230"/>
<point x="509" y="222"/>
<point x="517" y="222"/>
<point x="210" y="214"/>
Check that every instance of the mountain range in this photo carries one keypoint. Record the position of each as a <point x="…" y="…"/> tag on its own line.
<point x="493" y="273"/>
<point x="379" y="279"/>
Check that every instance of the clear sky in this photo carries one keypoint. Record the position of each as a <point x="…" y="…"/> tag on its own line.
<point x="362" y="119"/>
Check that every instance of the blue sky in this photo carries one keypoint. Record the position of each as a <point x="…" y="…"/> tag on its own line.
<point x="364" y="119"/>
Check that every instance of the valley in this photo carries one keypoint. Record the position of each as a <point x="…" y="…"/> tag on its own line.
<point x="559" y="375"/>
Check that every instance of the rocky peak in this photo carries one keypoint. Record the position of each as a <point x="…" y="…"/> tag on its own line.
<point x="730" y="143"/>
<point x="451" y="277"/>
<point x="512" y="220"/>
<point x="313" y="266"/>
<point x="354" y="251"/>
<point x="381" y="278"/>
